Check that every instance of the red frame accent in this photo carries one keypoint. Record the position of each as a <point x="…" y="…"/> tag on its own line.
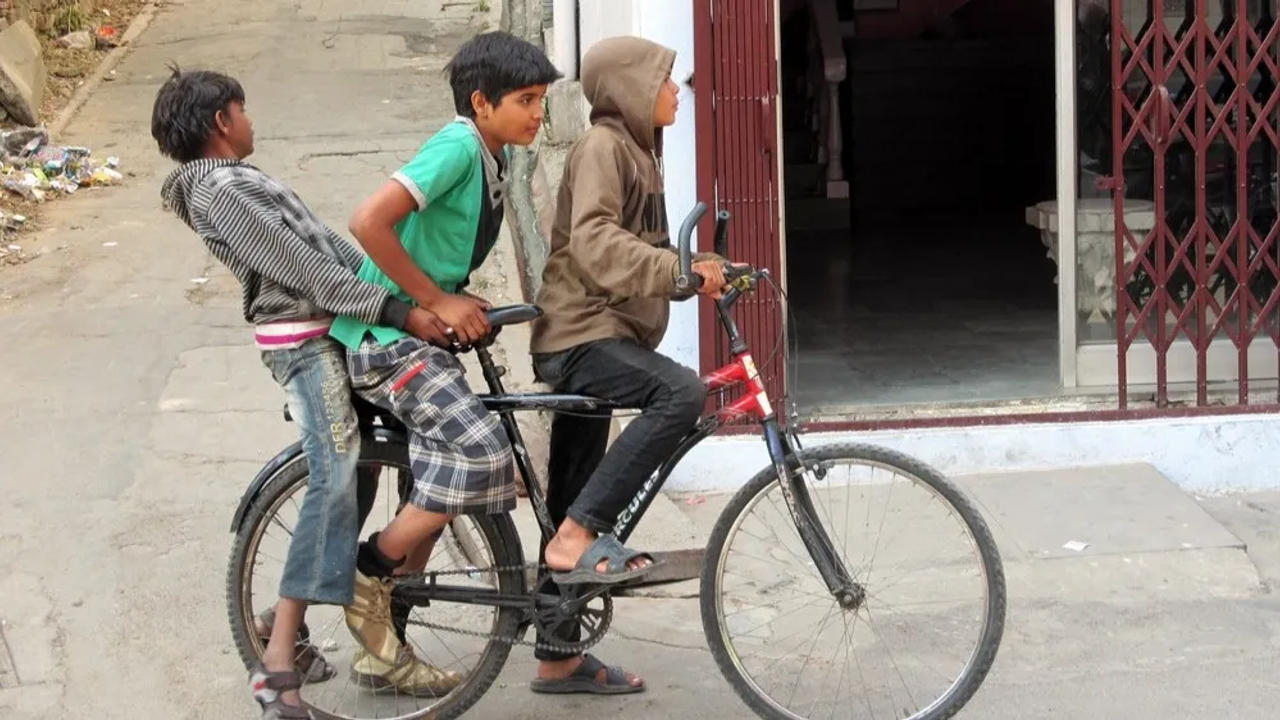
<point x="704" y="124"/>
<point x="747" y="406"/>
<point x="737" y="161"/>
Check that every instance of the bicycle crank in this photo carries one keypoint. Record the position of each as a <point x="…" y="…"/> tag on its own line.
<point x="591" y="607"/>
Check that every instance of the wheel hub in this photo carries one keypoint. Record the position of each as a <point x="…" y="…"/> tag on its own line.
<point x="851" y="597"/>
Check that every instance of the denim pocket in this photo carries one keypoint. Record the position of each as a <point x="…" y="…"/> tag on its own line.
<point x="281" y="364"/>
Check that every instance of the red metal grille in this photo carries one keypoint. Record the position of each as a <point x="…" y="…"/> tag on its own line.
<point x="1195" y="130"/>
<point x="736" y="85"/>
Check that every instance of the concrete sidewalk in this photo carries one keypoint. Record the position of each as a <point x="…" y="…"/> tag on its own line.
<point x="1165" y="613"/>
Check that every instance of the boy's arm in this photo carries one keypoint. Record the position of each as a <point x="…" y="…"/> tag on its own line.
<point x="374" y="226"/>
<point x="257" y="236"/>
<point x="615" y="259"/>
<point x="350" y="256"/>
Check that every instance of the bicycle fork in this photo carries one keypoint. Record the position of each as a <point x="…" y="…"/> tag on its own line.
<point x="848" y="593"/>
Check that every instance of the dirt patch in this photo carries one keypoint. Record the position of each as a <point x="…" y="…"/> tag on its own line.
<point x="67" y="68"/>
<point x="14" y="248"/>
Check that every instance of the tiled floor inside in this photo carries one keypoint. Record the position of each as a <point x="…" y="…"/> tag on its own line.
<point x="949" y="312"/>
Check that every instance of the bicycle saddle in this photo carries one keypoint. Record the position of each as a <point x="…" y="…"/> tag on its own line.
<point x="513" y="315"/>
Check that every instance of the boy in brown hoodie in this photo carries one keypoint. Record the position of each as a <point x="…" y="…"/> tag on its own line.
<point x="609" y="279"/>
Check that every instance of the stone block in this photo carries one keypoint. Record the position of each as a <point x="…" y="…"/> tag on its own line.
<point x="22" y="73"/>
<point x="568" y="112"/>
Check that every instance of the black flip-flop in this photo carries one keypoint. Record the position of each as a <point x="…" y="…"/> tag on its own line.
<point x="583" y="680"/>
<point x="605" y="548"/>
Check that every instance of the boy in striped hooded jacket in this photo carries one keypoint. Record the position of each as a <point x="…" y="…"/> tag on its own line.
<point x="296" y="275"/>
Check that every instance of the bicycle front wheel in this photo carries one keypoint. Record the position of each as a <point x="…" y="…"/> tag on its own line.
<point x="920" y="641"/>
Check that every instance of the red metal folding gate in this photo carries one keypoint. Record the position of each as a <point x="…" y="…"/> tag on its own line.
<point x="735" y="81"/>
<point x="1195" y="130"/>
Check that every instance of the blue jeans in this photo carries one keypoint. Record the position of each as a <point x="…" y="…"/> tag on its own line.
<point x="320" y="566"/>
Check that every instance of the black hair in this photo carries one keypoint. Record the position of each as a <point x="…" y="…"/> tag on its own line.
<point x="184" y="114"/>
<point x="496" y="63"/>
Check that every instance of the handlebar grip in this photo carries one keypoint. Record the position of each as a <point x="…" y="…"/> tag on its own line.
<point x="721" y="246"/>
<point x="685" y="237"/>
<point x="685" y="283"/>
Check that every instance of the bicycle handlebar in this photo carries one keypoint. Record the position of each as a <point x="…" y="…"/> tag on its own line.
<point x="687" y="281"/>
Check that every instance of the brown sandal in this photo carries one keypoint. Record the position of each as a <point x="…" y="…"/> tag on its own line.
<point x="267" y="688"/>
<point x="307" y="658"/>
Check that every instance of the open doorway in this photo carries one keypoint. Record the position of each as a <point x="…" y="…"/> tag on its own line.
<point x="914" y="276"/>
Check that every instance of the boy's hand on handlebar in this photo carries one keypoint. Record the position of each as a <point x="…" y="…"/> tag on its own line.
<point x="426" y="325"/>
<point x="465" y="316"/>
<point x="713" y="280"/>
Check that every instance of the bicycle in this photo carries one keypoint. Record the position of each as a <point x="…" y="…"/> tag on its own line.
<point x="772" y="553"/>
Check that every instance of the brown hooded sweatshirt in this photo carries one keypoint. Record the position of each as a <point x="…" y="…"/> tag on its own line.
<point x="611" y="271"/>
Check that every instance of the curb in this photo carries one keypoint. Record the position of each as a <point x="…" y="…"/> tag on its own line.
<point x="113" y="58"/>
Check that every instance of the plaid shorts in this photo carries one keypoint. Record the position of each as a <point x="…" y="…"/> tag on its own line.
<point x="461" y="459"/>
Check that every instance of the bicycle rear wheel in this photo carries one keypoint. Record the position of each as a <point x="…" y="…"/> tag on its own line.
<point x="920" y="642"/>
<point x="470" y="541"/>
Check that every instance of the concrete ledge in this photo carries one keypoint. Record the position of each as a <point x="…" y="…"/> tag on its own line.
<point x="22" y="73"/>
<point x="1115" y="510"/>
<point x="1203" y="454"/>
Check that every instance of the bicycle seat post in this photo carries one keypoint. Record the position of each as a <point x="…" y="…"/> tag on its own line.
<point x="492" y="371"/>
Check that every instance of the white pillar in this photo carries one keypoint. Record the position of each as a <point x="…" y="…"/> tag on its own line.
<point x="565" y="37"/>
<point x="1065" y="85"/>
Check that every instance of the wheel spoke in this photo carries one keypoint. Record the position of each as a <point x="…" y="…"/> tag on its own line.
<point x="435" y="633"/>
<point x="920" y="642"/>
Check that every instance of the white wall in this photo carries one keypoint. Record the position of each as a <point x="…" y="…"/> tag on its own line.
<point x="1205" y="454"/>
<point x="669" y="22"/>
<point x="599" y="19"/>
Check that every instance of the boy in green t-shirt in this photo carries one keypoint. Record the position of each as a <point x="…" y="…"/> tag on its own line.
<point x="425" y="230"/>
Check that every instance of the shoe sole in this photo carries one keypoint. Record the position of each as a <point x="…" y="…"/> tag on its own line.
<point x="589" y="576"/>
<point x="378" y="686"/>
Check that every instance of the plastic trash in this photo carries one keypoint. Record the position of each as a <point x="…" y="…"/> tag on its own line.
<point x="107" y="36"/>
<point x="105" y="176"/>
<point x="20" y="185"/>
<point x="79" y="40"/>
<point x="15" y="141"/>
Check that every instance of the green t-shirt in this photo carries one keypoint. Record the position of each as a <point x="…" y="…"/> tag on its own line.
<point x="447" y="236"/>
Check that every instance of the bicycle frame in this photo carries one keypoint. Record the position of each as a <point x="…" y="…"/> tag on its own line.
<point x="754" y="403"/>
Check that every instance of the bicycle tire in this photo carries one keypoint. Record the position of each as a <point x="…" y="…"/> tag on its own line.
<point x="499" y="531"/>
<point x="712" y="574"/>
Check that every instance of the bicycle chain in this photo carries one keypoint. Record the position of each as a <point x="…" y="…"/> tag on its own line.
<point x="565" y="649"/>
